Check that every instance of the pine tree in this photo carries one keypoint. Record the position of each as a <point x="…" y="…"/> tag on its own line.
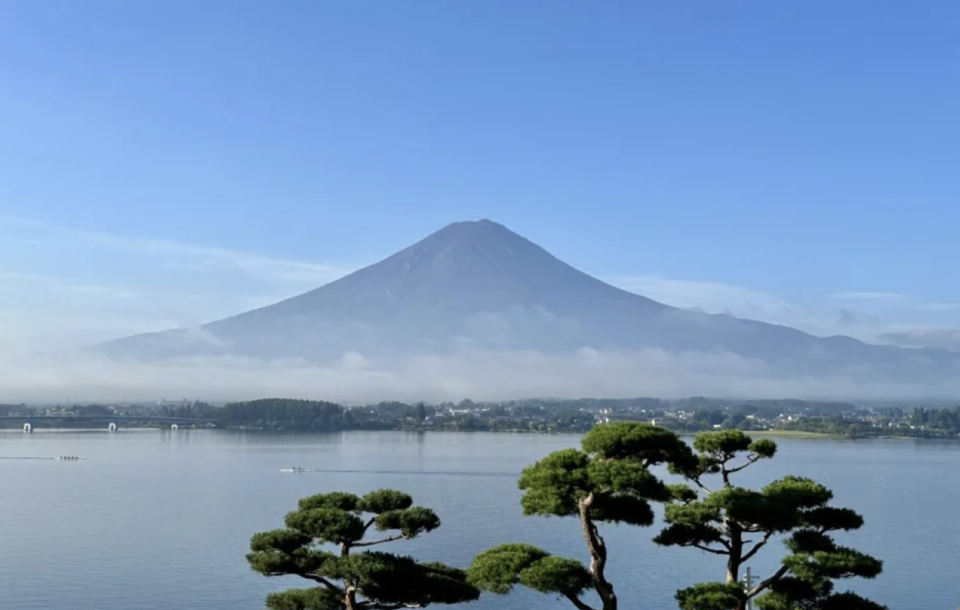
<point x="607" y="482"/>
<point x="348" y="580"/>
<point x="736" y="523"/>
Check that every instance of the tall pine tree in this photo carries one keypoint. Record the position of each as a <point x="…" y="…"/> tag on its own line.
<point x="608" y="481"/>
<point x="736" y="523"/>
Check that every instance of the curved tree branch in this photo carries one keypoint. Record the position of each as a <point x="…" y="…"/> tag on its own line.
<point x="323" y="581"/>
<point x="700" y="484"/>
<point x="709" y="550"/>
<point x="381" y="541"/>
<point x="751" y="459"/>
<point x="766" y="583"/>
<point x="749" y="555"/>
<point x="577" y="602"/>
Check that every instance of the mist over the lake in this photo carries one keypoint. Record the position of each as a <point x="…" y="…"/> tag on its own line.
<point x="478" y="374"/>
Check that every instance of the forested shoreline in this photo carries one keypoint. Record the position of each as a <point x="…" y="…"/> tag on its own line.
<point x="684" y="416"/>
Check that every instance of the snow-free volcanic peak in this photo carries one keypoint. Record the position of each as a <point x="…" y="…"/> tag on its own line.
<point x="479" y="285"/>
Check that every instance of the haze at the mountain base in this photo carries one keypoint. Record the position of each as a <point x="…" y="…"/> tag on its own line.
<point x="477" y="374"/>
<point x="479" y="288"/>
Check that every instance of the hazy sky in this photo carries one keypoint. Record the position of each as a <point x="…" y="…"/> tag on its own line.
<point x="167" y="163"/>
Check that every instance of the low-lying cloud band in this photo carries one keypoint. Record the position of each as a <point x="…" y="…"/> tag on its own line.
<point x="475" y="374"/>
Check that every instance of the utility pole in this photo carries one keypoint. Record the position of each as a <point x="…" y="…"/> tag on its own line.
<point x="748" y="584"/>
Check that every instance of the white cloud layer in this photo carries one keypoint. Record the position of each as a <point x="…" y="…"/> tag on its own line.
<point x="942" y="338"/>
<point x="479" y="375"/>
<point x="715" y="297"/>
<point x="875" y="317"/>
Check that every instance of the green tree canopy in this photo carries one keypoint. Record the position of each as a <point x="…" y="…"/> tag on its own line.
<point x="347" y="580"/>
<point x="607" y="481"/>
<point x="420" y="412"/>
<point x="736" y="523"/>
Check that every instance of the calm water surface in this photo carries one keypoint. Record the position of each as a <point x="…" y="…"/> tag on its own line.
<point x="161" y="520"/>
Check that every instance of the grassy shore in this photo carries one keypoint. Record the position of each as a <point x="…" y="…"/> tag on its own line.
<point x="777" y="434"/>
<point x="793" y="434"/>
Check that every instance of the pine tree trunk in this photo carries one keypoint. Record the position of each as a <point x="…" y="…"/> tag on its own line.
<point x="350" y="600"/>
<point x="598" y="556"/>
<point x="733" y="561"/>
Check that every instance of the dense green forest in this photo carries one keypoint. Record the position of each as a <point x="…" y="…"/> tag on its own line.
<point x="284" y="413"/>
<point x="310" y="415"/>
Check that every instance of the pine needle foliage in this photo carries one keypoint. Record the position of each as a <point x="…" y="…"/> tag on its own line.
<point x="320" y="544"/>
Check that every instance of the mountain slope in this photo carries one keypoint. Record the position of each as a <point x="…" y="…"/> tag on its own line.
<point x="479" y="284"/>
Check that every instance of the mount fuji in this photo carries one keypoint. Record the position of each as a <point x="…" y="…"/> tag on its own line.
<point x="479" y="285"/>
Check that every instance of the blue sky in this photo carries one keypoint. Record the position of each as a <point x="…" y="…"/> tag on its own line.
<point x="166" y="163"/>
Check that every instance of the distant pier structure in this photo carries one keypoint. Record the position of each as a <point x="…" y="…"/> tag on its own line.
<point x="112" y="421"/>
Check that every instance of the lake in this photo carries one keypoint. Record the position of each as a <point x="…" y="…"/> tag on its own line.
<point x="161" y="520"/>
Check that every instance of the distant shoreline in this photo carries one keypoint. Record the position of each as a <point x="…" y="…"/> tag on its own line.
<point x="784" y="434"/>
<point x="779" y="433"/>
